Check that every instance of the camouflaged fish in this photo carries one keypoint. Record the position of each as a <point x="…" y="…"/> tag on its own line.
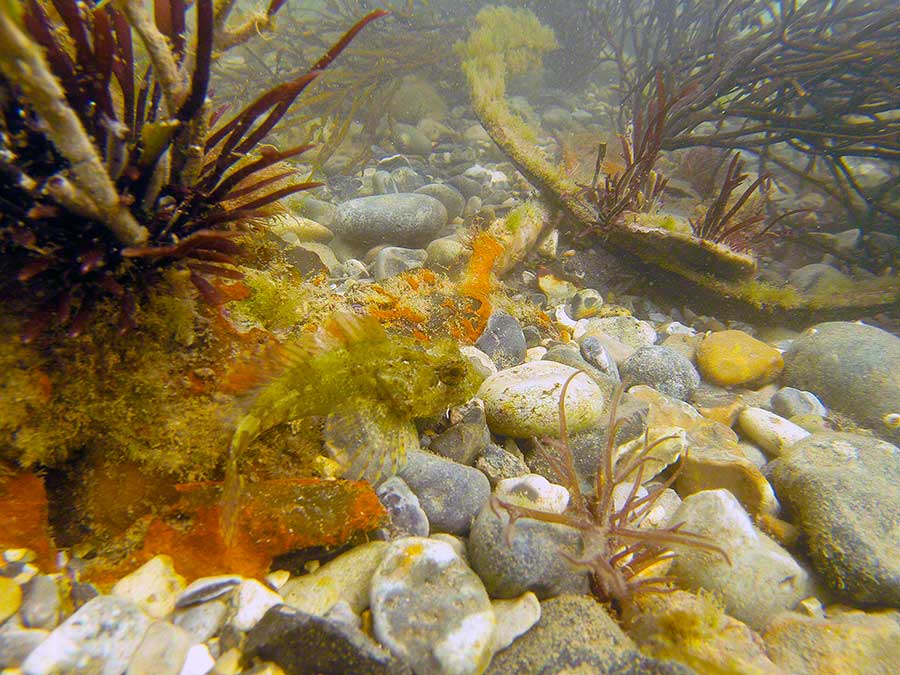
<point x="371" y="387"/>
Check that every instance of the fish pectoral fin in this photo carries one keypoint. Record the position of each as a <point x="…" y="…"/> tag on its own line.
<point x="368" y="439"/>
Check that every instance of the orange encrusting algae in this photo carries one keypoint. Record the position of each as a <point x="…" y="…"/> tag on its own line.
<point x="477" y="285"/>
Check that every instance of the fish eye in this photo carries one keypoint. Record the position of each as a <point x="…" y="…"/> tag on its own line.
<point x="452" y="374"/>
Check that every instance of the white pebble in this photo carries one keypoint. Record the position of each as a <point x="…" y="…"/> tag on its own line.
<point x="253" y="600"/>
<point x="772" y="433"/>
<point x="198" y="662"/>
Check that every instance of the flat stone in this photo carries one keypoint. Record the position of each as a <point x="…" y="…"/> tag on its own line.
<point x="844" y="491"/>
<point x="202" y="621"/>
<point x="154" y="586"/>
<point x="497" y="463"/>
<point x="10" y="598"/>
<point x="715" y="465"/>
<point x="393" y="260"/>
<point x="732" y="357"/>
<point x="569" y="355"/>
<point x="627" y="330"/>
<point x="789" y="402"/>
<point x="206" y="589"/>
<point x="345" y="578"/>
<point x="523" y="401"/>
<point x="447" y="195"/>
<point x="818" y="278"/>
<point x="451" y="494"/>
<point x="17" y="643"/>
<point x="446" y="254"/>
<point x="467" y="437"/>
<point x="404" y="510"/>
<point x="761" y="577"/>
<point x="198" y="661"/>
<point x="692" y="628"/>
<point x="99" y="638"/>
<point x="396" y="219"/>
<point x="575" y="635"/>
<point x="429" y="608"/>
<point x="526" y="557"/>
<point x="848" y="641"/>
<point x="41" y="604"/>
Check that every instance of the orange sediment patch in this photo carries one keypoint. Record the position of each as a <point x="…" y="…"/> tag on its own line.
<point x="23" y="512"/>
<point x="273" y="518"/>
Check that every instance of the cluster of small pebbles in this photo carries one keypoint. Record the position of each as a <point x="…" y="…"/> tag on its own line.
<point x="806" y="513"/>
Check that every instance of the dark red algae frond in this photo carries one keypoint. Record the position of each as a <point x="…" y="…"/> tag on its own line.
<point x="619" y="550"/>
<point x="57" y="239"/>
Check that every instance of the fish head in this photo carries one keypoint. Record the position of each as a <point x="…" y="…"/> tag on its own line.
<point x="422" y="381"/>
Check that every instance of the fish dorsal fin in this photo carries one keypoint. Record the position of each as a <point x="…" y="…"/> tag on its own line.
<point x="353" y="328"/>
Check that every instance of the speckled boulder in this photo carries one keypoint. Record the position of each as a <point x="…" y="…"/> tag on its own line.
<point x="732" y="357"/>
<point x="527" y="557"/>
<point x="431" y="610"/>
<point x="576" y="635"/>
<point x="852" y="368"/>
<point x="400" y="219"/>
<point x="844" y="490"/>
<point x="662" y="368"/>
<point x="523" y="401"/>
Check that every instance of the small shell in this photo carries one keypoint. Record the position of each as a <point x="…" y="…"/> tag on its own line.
<point x="586" y="303"/>
<point x="206" y="589"/>
<point x="891" y="420"/>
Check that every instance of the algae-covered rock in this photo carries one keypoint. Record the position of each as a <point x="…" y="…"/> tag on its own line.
<point x="759" y="579"/>
<point x="853" y="368"/>
<point x="844" y="490"/>
<point x="416" y="99"/>
<point x="694" y="630"/>
<point x="576" y="635"/>
<point x="847" y="641"/>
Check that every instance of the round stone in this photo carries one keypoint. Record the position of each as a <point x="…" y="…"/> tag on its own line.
<point x="523" y="401"/>
<point x="400" y="219"/>
<point x="527" y="556"/>
<point x="732" y="357"/>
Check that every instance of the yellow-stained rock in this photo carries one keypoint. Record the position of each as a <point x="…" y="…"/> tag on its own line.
<point x="849" y="642"/>
<point x="694" y="630"/>
<point x="731" y="357"/>
<point x="10" y="598"/>
<point x="716" y="462"/>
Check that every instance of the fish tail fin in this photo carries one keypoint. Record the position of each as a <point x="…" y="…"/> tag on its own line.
<point x="232" y="490"/>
